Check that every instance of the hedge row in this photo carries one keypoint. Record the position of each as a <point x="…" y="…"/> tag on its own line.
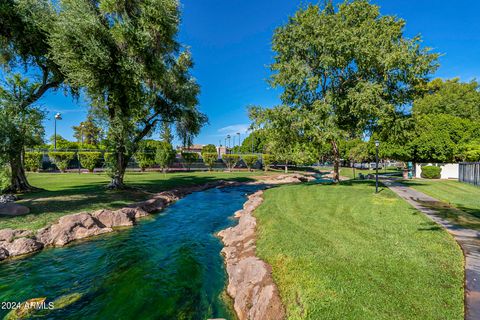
<point x="163" y="157"/>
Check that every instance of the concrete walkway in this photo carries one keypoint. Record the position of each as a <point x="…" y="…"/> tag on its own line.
<point x="468" y="239"/>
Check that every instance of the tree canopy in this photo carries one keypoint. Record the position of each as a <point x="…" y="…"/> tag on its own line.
<point x="25" y="27"/>
<point x="136" y="74"/>
<point x="347" y="69"/>
<point x="451" y="97"/>
<point x="87" y="132"/>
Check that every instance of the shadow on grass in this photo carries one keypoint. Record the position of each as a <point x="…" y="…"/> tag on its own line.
<point x="456" y="215"/>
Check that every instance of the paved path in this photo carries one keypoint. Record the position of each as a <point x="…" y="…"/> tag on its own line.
<point x="468" y="239"/>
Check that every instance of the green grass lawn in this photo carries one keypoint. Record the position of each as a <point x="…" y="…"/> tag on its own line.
<point x="462" y="196"/>
<point x="67" y="193"/>
<point x="342" y="252"/>
<point x="348" y="172"/>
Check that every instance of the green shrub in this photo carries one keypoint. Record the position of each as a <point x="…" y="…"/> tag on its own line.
<point x="431" y="172"/>
<point x="145" y="155"/>
<point x="165" y="155"/>
<point x="267" y="160"/>
<point x="250" y="160"/>
<point x="33" y="160"/>
<point x="61" y="159"/>
<point x="230" y="160"/>
<point x="89" y="160"/>
<point x="189" y="158"/>
<point x="209" y="148"/>
<point x="209" y="158"/>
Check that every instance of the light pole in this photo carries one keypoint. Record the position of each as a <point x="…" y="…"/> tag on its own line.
<point x="233" y="144"/>
<point x="239" y="140"/>
<point x="58" y="116"/>
<point x="81" y="130"/>
<point x="377" y="143"/>
<point x="228" y="137"/>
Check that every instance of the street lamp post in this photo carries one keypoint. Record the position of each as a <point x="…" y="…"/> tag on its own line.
<point x="239" y="140"/>
<point x="58" y="116"/>
<point x="377" y="143"/>
<point x="228" y="137"/>
<point x="233" y="144"/>
<point x="81" y="129"/>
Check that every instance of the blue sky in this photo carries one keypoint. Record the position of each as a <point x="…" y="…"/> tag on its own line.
<point x="231" y="46"/>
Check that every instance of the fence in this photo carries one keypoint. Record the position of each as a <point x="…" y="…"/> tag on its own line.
<point x="469" y="172"/>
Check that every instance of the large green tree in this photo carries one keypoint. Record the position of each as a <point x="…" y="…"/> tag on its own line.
<point x="125" y="55"/>
<point x="346" y="69"/>
<point x="451" y="97"/>
<point x="25" y="26"/>
<point x="87" y="132"/>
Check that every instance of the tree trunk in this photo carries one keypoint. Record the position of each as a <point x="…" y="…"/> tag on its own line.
<point x="18" y="181"/>
<point x="119" y="171"/>
<point x="336" y="162"/>
<point x="286" y="166"/>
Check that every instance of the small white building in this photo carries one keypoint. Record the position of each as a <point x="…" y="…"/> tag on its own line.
<point x="449" y="170"/>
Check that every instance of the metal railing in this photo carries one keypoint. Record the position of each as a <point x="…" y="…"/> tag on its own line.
<point x="469" y="172"/>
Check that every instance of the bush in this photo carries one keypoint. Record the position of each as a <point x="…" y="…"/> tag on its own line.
<point x="165" y="155"/>
<point x="33" y="160"/>
<point x="209" y="158"/>
<point x="431" y="172"/>
<point x="209" y="148"/>
<point x="230" y="160"/>
<point x="250" y="160"/>
<point x="89" y="160"/>
<point x="267" y="160"/>
<point x="61" y="159"/>
<point x="189" y="158"/>
<point x="145" y="155"/>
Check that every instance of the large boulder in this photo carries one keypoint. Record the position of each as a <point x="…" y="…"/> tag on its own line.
<point x="70" y="228"/>
<point x="119" y="218"/>
<point x="112" y="219"/>
<point x="22" y="246"/>
<point x="13" y="209"/>
<point x="10" y="234"/>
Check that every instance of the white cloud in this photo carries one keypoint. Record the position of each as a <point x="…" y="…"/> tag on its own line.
<point x="233" y="129"/>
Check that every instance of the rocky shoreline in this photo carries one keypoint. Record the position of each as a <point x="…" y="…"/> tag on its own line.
<point x="250" y="282"/>
<point x="84" y="224"/>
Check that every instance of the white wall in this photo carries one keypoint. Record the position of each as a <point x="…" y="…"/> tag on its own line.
<point x="449" y="170"/>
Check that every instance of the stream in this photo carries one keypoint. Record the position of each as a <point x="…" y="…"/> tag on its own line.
<point x="167" y="267"/>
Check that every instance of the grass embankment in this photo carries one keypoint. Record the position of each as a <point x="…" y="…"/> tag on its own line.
<point x="72" y="192"/>
<point x="342" y="252"/>
<point x="454" y="195"/>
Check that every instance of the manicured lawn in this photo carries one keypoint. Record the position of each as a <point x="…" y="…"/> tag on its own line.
<point x="72" y="192"/>
<point x="342" y="252"/>
<point x="348" y="172"/>
<point x="455" y="194"/>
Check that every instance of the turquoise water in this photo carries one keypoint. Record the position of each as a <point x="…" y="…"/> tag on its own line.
<point x="167" y="267"/>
